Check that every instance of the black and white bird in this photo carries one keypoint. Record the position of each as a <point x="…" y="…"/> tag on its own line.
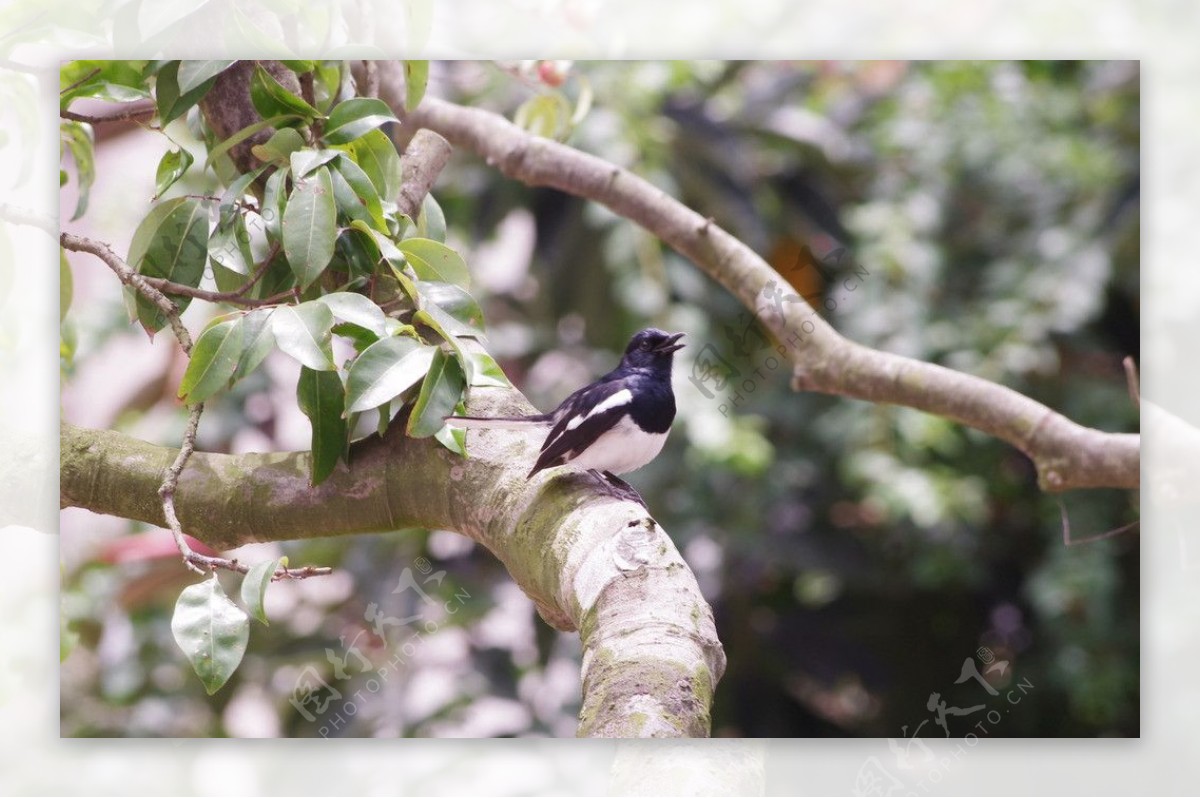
<point x="615" y="425"/>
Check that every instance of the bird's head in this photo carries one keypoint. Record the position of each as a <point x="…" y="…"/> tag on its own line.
<point x="652" y="348"/>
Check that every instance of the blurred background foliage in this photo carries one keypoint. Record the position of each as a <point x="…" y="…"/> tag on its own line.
<point x="855" y="555"/>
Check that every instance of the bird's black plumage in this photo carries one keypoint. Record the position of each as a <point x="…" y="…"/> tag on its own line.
<point x="617" y="423"/>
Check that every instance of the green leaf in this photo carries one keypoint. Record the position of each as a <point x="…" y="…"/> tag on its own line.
<point x="440" y="392"/>
<point x="243" y="134"/>
<point x="356" y="251"/>
<point x="171" y="101"/>
<point x="147" y="229"/>
<point x="381" y="243"/>
<point x="431" y="222"/>
<point x="483" y="371"/>
<point x="455" y="303"/>
<point x="416" y="77"/>
<point x="584" y="103"/>
<point x="278" y="279"/>
<point x="452" y="438"/>
<point x="66" y="285"/>
<point x="305" y="333"/>
<point x="434" y="261"/>
<point x="384" y="371"/>
<point x="171" y="167"/>
<point x="274" y="204"/>
<point x="279" y="148"/>
<point x="547" y="115"/>
<point x="115" y="81"/>
<point x="214" y="360"/>
<point x="364" y="193"/>
<point x="255" y="584"/>
<point x="385" y="418"/>
<point x="229" y="248"/>
<point x="258" y="339"/>
<point x="299" y="67"/>
<point x="304" y="161"/>
<point x="353" y="118"/>
<point x="270" y="98"/>
<point x="238" y="188"/>
<point x="327" y="82"/>
<point x="309" y="228"/>
<point x="80" y="141"/>
<point x="212" y="631"/>
<point x="361" y="337"/>
<point x="193" y="73"/>
<point x="321" y="397"/>
<point x="348" y="203"/>
<point x="171" y="243"/>
<point x="356" y="309"/>
<point x="377" y="156"/>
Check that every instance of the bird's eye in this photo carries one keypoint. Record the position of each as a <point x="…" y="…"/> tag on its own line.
<point x="644" y="345"/>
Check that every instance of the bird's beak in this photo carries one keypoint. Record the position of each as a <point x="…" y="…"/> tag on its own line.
<point x="670" y="344"/>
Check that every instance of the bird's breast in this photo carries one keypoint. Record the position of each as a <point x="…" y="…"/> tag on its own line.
<point x="624" y="448"/>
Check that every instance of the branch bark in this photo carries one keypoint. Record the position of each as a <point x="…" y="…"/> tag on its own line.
<point x="1066" y="455"/>
<point x="590" y="561"/>
<point x="423" y="160"/>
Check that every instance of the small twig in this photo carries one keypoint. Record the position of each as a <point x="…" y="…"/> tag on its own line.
<point x="166" y="491"/>
<point x="81" y="81"/>
<point x="131" y="278"/>
<point x="237" y="297"/>
<point x="260" y="271"/>
<point x="118" y="114"/>
<point x="1066" y="525"/>
<point x="1131" y="376"/>
<point x="203" y="562"/>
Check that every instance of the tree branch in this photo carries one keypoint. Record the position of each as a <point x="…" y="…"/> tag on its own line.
<point x="1066" y="454"/>
<point x="237" y="297"/>
<point x="170" y="478"/>
<point x="589" y="560"/>
<point x="423" y="160"/>
<point x="131" y="278"/>
<point x="120" y="113"/>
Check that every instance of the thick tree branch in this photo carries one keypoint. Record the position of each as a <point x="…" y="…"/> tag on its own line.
<point x="589" y="560"/>
<point x="423" y="160"/>
<point x="1066" y="454"/>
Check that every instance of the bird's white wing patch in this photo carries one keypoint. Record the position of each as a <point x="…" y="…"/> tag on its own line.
<point x="622" y="397"/>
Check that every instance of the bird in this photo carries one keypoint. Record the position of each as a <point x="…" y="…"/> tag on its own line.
<point x="612" y="426"/>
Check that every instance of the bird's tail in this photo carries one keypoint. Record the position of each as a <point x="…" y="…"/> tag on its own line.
<point x="497" y="422"/>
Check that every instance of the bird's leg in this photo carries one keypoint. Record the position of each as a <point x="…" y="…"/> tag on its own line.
<point x="620" y="488"/>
